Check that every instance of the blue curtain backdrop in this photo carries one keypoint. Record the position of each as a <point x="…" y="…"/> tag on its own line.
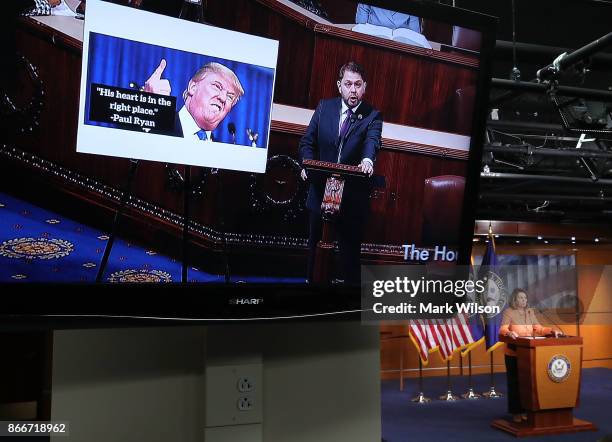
<point x="118" y="62"/>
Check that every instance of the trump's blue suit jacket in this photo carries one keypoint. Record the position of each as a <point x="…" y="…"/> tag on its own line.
<point x="321" y="142"/>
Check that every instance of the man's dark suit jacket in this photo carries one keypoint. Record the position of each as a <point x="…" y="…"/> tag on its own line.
<point x="321" y="142"/>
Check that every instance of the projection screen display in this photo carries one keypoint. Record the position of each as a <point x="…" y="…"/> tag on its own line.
<point x="164" y="89"/>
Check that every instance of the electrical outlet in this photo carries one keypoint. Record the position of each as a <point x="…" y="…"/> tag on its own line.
<point x="245" y="403"/>
<point x="245" y="384"/>
<point x="234" y="392"/>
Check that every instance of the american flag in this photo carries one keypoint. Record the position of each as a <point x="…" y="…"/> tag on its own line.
<point x="446" y="335"/>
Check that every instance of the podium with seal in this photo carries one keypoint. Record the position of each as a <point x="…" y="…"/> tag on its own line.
<point x="549" y="381"/>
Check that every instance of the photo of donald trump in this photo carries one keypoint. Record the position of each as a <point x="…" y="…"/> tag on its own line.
<point x="209" y="96"/>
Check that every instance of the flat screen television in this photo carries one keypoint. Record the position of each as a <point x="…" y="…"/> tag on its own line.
<point x="275" y="78"/>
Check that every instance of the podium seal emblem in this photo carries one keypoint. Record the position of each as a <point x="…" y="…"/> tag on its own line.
<point x="559" y="368"/>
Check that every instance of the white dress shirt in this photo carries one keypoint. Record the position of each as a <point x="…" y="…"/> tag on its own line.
<point x="191" y="128"/>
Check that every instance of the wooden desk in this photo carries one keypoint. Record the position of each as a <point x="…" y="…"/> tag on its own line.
<point x="549" y="371"/>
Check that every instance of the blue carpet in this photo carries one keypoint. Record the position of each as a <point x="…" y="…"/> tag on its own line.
<point x="37" y="245"/>
<point x="404" y="421"/>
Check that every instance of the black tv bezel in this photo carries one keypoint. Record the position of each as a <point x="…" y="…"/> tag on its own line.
<point x="102" y="305"/>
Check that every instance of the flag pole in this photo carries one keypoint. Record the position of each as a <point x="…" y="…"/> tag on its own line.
<point x="420" y="398"/>
<point x="492" y="394"/>
<point x="449" y="396"/>
<point x="470" y="394"/>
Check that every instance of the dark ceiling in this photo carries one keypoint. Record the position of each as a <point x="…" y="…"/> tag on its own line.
<point x="535" y="168"/>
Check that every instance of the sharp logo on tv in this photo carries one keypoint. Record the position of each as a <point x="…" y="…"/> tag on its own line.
<point x="246" y="301"/>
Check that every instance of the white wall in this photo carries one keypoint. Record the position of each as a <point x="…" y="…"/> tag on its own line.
<point x="321" y="381"/>
<point x="135" y="384"/>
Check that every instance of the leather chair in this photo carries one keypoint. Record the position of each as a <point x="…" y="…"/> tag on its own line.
<point x="466" y="38"/>
<point x="442" y="204"/>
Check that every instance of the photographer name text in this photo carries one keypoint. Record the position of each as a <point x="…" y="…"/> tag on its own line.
<point x="403" y="308"/>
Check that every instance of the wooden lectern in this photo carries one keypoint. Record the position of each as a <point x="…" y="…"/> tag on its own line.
<point x="549" y="381"/>
<point x="330" y="207"/>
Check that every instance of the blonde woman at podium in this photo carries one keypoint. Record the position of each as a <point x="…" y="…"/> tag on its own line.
<point x="519" y="321"/>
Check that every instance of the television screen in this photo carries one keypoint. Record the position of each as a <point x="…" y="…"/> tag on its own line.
<point x="320" y="137"/>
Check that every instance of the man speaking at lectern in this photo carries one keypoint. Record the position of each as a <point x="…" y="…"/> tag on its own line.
<point x="343" y="130"/>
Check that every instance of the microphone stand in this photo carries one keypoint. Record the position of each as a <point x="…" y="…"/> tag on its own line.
<point x="553" y="322"/>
